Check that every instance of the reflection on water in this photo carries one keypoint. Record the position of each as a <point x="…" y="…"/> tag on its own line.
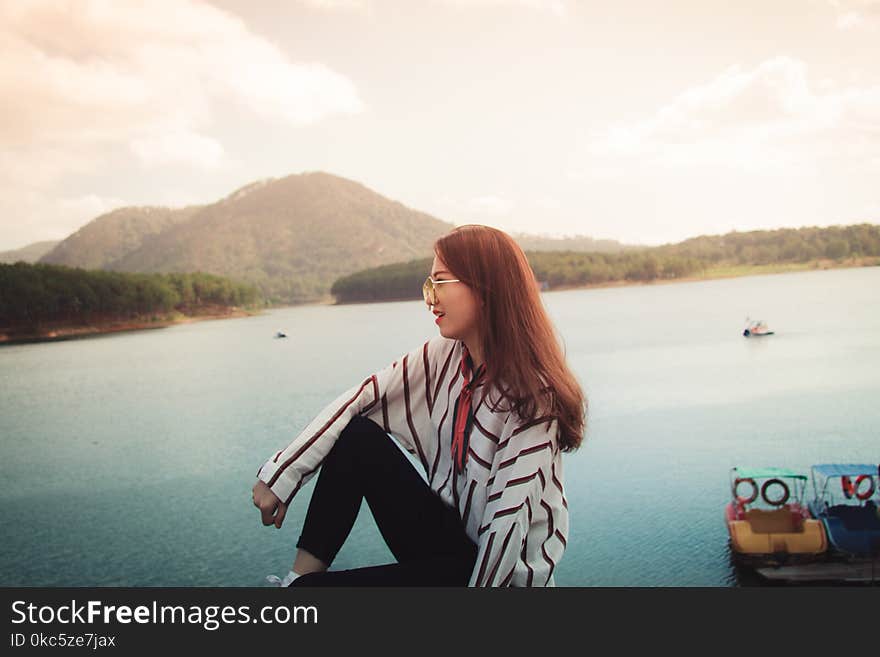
<point x="739" y="574"/>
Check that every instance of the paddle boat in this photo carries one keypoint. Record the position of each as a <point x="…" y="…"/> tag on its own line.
<point x="767" y="520"/>
<point x="846" y="502"/>
<point x="756" y="328"/>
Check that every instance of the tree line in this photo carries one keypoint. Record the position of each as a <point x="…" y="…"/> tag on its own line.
<point x="31" y="294"/>
<point x="781" y="246"/>
<point x="671" y="261"/>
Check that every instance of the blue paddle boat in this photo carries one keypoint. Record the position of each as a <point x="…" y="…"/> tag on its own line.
<point x="846" y="501"/>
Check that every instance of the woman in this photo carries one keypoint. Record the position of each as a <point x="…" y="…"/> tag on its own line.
<point x="488" y="407"/>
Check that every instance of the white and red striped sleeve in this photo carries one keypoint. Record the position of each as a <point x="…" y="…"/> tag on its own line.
<point x="525" y="522"/>
<point x="408" y="391"/>
<point x="395" y="392"/>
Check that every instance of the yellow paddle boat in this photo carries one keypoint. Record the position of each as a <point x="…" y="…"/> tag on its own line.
<point x="767" y="520"/>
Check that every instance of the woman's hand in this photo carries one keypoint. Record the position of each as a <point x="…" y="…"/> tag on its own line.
<point x="269" y="504"/>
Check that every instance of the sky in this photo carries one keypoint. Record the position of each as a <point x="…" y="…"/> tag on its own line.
<point x="644" y="122"/>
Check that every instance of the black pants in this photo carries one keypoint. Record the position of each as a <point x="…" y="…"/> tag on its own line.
<point x="426" y="536"/>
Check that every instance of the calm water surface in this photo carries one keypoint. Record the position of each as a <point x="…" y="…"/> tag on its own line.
<point x="128" y="459"/>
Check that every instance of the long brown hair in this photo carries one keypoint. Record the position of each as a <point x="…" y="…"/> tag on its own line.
<point x="524" y="359"/>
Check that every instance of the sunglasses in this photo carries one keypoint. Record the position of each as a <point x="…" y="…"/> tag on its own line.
<point x="429" y="289"/>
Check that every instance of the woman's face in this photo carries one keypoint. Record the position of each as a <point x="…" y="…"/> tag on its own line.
<point x="457" y="306"/>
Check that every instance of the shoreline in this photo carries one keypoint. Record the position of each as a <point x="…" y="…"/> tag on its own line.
<point x="60" y="332"/>
<point x="71" y="332"/>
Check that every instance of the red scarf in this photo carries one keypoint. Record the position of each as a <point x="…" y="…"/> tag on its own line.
<point x="464" y="416"/>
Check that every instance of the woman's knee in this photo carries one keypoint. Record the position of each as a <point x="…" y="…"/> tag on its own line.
<point x="361" y="435"/>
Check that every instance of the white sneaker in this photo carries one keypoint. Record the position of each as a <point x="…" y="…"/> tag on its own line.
<point x="274" y="580"/>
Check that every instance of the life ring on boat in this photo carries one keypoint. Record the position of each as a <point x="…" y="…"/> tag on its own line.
<point x="785" y="492"/>
<point x="745" y="500"/>
<point x="864" y="495"/>
<point x="848" y="488"/>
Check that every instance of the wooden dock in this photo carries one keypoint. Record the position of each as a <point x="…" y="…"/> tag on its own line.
<point x="865" y="572"/>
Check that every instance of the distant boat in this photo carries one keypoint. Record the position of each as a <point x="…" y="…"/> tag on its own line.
<point x="756" y="328"/>
<point x="281" y="334"/>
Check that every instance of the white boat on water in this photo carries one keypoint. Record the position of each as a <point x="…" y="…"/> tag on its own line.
<point x="756" y="328"/>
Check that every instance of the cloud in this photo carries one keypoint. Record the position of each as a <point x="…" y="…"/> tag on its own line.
<point x="849" y="20"/>
<point x="110" y="70"/>
<point x="181" y="147"/>
<point x="91" y="82"/>
<point x="556" y="7"/>
<point x="752" y="148"/>
<point x="332" y="5"/>
<point x="857" y="14"/>
<point x="765" y="120"/>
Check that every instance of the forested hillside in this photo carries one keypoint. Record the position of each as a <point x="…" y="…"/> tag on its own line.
<point x="668" y="262"/>
<point x="35" y="294"/>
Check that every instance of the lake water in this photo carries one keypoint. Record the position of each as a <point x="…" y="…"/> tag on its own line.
<point x="128" y="459"/>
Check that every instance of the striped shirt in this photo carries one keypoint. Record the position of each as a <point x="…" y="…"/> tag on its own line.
<point x="509" y="495"/>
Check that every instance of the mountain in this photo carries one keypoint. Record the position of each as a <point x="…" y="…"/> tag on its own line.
<point x="292" y="237"/>
<point x="103" y="241"/>
<point x="30" y="253"/>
